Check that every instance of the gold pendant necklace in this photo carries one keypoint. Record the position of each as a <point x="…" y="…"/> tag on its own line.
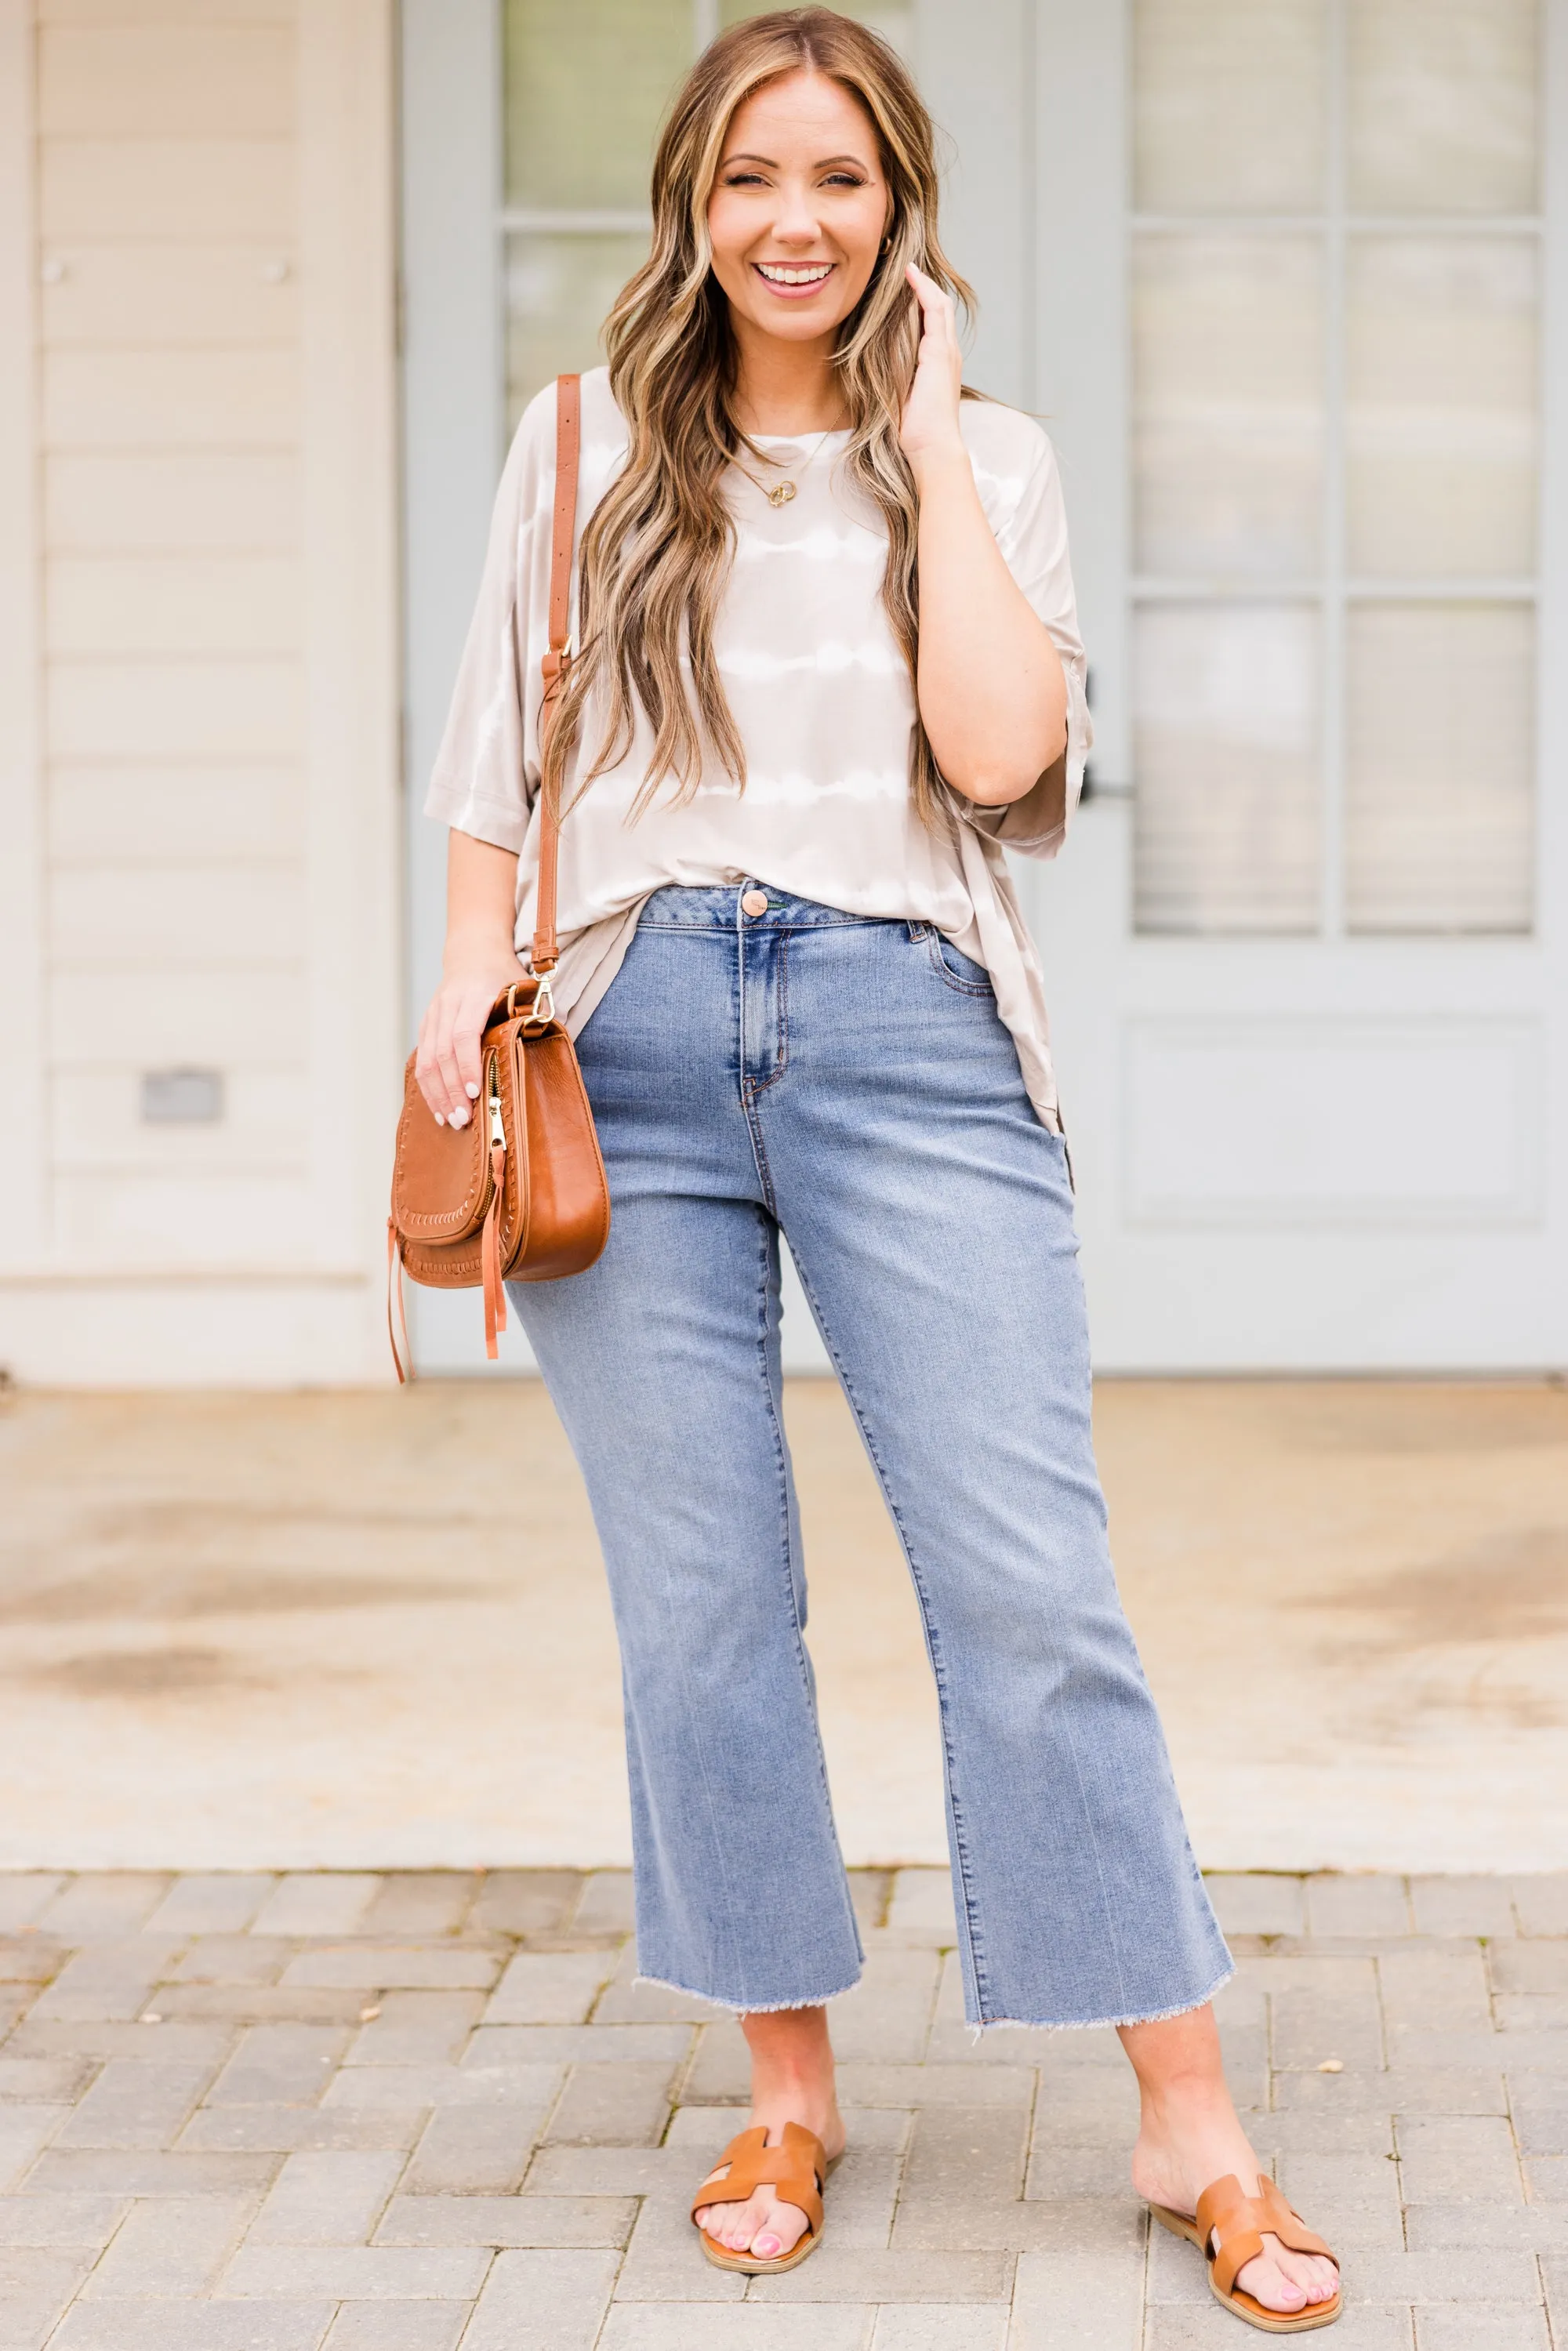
<point x="779" y="494"/>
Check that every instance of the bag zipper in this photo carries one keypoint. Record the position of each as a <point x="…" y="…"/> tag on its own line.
<point x="490" y="1237"/>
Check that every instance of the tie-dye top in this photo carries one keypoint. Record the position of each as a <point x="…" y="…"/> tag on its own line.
<point x="823" y="699"/>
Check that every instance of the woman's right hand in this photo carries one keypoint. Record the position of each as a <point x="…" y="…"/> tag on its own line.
<point x="448" y="1064"/>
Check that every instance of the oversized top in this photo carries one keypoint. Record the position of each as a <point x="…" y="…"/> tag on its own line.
<point x="823" y="702"/>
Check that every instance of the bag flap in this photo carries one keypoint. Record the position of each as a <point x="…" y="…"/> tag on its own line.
<point x="441" y="1174"/>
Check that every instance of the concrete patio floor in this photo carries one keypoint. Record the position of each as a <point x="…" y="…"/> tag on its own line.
<point x="364" y="2112"/>
<point x="369" y="1630"/>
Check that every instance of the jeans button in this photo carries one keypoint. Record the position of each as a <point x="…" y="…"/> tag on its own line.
<point x="754" y="902"/>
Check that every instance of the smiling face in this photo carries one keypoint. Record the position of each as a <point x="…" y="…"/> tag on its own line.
<point x="798" y="209"/>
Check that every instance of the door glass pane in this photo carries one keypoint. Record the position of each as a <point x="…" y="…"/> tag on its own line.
<point x="1227" y="369"/>
<point x="1230" y="105"/>
<point x="1440" y="368"/>
<point x="586" y="84"/>
<point x="1439" y="801"/>
<point x="1227" y="751"/>
<point x="560" y="290"/>
<point x="1442" y="105"/>
<point x="1432" y="382"/>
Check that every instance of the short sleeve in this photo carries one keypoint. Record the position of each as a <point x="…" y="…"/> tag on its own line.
<point x="487" y="770"/>
<point x="1020" y="489"/>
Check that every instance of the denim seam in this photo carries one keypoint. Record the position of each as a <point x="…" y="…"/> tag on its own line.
<point x="1094" y="1841"/>
<point x="760" y="1153"/>
<point x="747" y="1102"/>
<point x="934" y="1646"/>
<point x="715" y="1815"/>
<point x="781" y="1038"/>
<point x="775" y="1420"/>
<point x="843" y="923"/>
<point x="749" y="1090"/>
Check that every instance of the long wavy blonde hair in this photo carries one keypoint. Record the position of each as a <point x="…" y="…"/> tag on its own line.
<point x="656" y="552"/>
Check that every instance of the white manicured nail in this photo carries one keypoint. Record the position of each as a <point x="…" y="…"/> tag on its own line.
<point x="472" y="1091"/>
<point x="440" y="1119"/>
<point x="460" y="1116"/>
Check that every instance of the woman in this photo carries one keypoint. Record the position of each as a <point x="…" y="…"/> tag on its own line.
<point x="828" y="666"/>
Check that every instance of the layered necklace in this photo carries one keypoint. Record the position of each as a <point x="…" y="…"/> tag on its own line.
<point x="779" y="494"/>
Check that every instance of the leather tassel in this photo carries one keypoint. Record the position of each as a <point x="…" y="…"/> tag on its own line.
<point x="402" y="1355"/>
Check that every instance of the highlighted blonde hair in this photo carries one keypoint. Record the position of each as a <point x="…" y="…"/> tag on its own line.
<point x="656" y="552"/>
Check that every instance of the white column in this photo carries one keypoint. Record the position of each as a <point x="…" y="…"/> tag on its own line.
<point x="23" y="1162"/>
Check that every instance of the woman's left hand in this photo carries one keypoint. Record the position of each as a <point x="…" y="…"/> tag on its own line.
<point x="930" y="424"/>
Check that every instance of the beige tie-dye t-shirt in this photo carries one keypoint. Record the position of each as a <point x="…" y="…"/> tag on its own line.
<point x="821" y="697"/>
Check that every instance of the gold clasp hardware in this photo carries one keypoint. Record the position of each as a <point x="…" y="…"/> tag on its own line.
<point x="541" y="1011"/>
<point x="493" y="1103"/>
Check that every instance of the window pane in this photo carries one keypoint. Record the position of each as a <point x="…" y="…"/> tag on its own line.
<point x="1228" y="107"/>
<point x="1227" y="755"/>
<point x="586" y="84"/>
<point x="1439" y="811"/>
<point x="1440" y="368"/>
<point x="1228" y="365"/>
<point x="1443" y="105"/>
<point x="559" y="292"/>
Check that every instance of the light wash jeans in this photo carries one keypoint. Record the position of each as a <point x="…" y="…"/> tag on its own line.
<point x="848" y="1083"/>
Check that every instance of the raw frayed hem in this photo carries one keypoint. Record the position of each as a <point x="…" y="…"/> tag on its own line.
<point x="1096" y="2023"/>
<point x="745" y="2007"/>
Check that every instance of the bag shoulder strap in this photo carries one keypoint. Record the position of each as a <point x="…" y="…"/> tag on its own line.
<point x="558" y="660"/>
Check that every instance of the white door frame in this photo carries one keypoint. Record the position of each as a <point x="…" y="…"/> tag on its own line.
<point x="454" y="430"/>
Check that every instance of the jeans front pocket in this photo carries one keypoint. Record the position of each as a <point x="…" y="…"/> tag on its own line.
<point x="960" y="971"/>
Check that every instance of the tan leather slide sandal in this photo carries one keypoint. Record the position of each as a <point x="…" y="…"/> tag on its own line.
<point x="795" y="2170"/>
<point x="1228" y="2232"/>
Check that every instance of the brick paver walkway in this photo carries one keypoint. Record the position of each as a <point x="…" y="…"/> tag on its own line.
<point x="418" y="2112"/>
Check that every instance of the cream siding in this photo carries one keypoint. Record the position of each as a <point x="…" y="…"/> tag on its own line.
<point x="201" y="797"/>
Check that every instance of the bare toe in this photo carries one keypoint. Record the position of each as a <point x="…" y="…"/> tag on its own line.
<point x="1287" y="2282"/>
<point x="1322" y="2283"/>
<point x="714" y="2220"/>
<point x="741" y="2222"/>
<point x="1266" y="2281"/>
<point x="1318" y="2280"/>
<point x="780" y="2230"/>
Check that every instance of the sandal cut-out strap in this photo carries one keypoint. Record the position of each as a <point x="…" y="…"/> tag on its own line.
<point x="794" y="2169"/>
<point x="1232" y="2228"/>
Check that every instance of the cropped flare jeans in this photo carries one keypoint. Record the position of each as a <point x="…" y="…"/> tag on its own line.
<point x="847" y="1083"/>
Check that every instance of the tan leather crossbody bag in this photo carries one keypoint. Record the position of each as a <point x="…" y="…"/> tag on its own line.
<point x="518" y="1194"/>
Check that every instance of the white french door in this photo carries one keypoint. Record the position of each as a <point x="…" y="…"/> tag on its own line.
<point x="1305" y="952"/>
<point x="1285" y="280"/>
